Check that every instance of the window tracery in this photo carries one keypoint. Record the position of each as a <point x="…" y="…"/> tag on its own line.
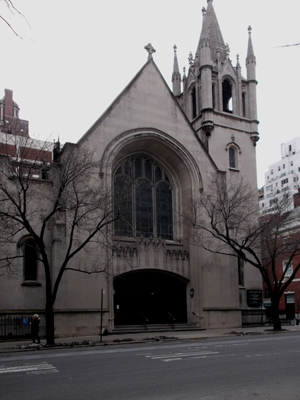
<point x="143" y="199"/>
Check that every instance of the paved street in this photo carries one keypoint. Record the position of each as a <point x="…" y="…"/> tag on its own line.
<point x="264" y="367"/>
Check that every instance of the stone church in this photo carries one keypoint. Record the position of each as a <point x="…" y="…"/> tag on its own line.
<point x="158" y="150"/>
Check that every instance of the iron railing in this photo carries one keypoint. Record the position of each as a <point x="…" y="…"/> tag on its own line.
<point x="14" y="326"/>
<point x="172" y="320"/>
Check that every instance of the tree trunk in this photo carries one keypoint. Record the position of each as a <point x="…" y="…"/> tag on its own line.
<point x="49" y="327"/>
<point x="275" y="313"/>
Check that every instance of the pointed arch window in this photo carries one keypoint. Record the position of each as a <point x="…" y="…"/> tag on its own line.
<point x="244" y="104"/>
<point x="233" y="154"/>
<point x="143" y="199"/>
<point x="232" y="157"/>
<point x="194" y="103"/>
<point x="29" y="250"/>
<point x="227" y="96"/>
<point x="213" y="90"/>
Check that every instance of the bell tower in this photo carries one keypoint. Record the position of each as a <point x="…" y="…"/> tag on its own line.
<point x="218" y="101"/>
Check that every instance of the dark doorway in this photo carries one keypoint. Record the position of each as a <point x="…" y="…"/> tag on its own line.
<point x="290" y="306"/>
<point x="152" y="297"/>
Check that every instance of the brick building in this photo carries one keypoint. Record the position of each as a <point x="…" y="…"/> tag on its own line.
<point x="289" y="241"/>
<point x="14" y="136"/>
<point x="10" y="121"/>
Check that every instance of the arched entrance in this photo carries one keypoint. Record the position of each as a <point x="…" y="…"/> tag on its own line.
<point x="149" y="296"/>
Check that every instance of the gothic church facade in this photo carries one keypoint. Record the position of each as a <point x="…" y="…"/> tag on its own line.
<point x="162" y="148"/>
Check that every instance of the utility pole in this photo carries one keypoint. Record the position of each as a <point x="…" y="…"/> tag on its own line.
<point x="101" y="313"/>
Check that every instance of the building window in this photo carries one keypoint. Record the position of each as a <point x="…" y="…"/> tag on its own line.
<point x="279" y="168"/>
<point x="288" y="244"/>
<point x="214" y="96"/>
<point x="29" y="250"/>
<point x="16" y="112"/>
<point x="227" y="96"/>
<point x="143" y="199"/>
<point x="269" y="188"/>
<point x="292" y="163"/>
<point x="232" y="157"/>
<point x="288" y="268"/>
<point x="273" y="201"/>
<point x="244" y="104"/>
<point x="283" y="166"/>
<point x="194" y="103"/>
<point x="271" y="172"/>
<point x="1" y="111"/>
<point x="241" y="271"/>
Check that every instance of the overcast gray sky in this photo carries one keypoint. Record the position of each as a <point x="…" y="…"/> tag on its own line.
<point x="77" y="56"/>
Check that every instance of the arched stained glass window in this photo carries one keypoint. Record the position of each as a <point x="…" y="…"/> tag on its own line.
<point x="138" y="167"/>
<point x="164" y="211"/>
<point x="143" y="199"/>
<point x="144" y="208"/>
<point x="123" y="205"/>
<point x="158" y="174"/>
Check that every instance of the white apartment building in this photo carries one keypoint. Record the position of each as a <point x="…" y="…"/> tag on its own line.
<point x="282" y="178"/>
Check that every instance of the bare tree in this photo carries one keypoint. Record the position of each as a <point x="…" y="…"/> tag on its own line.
<point x="65" y="197"/>
<point x="226" y="221"/>
<point x="13" y="10"/>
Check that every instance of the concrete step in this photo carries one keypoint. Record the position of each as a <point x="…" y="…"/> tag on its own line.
<point x="121" y="329"/>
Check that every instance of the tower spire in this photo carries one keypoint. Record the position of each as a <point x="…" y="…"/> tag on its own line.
<point x="176" y="77"/>
<point x="211" y="31"/>
<point x="250" y="45"/>
<point x="251" y="77"/>
<point x="205" y="63"/>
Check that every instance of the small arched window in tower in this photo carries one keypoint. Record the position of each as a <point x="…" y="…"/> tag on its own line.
<point x="29" y="250"/>
<point x="143" y="199"/>
<point x="244" y="104"/>
<point x="232" y="157"/>
<point x="213" y="90"/>
<point x="227" y="96"/>
<point x="194" y="106"/>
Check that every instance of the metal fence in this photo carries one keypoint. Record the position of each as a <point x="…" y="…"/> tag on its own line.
<point x="262" y="317"/>
<point x="15" y="326"/>
<point x="254" y="317"/>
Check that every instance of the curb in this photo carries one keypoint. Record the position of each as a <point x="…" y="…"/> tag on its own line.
<point x="88" y="344"/>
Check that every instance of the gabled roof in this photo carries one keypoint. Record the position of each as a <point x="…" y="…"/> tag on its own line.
<point x="122" y="95"/>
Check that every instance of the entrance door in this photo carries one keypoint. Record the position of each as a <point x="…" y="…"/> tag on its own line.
<point x="290" y="306"/>
<point x="151" y="297"/>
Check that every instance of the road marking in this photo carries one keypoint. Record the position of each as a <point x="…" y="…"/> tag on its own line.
<point x="43" y="368"/>
<point x="195" y="358"/>
<point x="180" y="356"/>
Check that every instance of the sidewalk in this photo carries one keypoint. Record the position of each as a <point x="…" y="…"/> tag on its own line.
<point x="144" y="337"/>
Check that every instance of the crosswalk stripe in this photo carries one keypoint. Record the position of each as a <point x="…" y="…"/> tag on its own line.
<point x="180" y="356"/>
<point x="29" y="369"/>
